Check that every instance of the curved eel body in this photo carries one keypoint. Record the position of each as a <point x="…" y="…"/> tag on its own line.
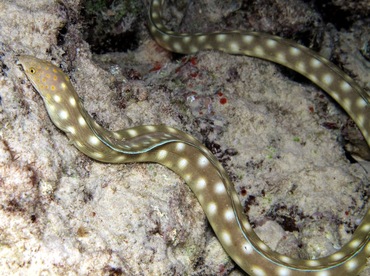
<point x="188" y="158"/>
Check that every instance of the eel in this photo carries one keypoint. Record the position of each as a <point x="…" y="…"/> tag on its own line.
<point x="191" y="160"/>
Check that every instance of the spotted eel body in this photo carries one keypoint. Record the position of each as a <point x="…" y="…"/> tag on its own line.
<point x="188" y="158"/>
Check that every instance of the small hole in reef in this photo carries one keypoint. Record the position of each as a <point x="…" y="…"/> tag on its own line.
<point x="111" y="26"/>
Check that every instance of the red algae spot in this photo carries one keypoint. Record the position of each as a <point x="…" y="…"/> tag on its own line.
<point x="223" y="101"/>
<point x="194" y="75"/>
<point x="193" y="60"/>
<point x="157" y="66"/>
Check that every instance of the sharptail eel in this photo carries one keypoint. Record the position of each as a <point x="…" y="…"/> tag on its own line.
<point x="188" y="158"/>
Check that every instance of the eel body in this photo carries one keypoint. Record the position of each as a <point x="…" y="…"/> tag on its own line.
<point x="191" y="160"/>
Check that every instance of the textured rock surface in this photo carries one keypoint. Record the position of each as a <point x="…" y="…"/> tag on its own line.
<point x="280" y="139"/>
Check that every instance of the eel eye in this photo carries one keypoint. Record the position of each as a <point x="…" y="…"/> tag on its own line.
<point x="32" y="70"/>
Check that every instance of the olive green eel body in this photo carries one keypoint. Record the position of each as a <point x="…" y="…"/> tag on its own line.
<point x="188" y="158"/>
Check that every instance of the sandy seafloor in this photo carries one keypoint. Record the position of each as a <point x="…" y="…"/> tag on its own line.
<point x="281" y="140"/>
